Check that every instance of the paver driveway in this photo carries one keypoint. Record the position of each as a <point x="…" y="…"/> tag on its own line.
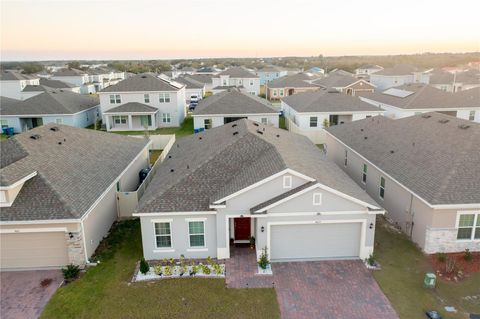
<point x="329" y="289"/>
<point x="22" y="295"/>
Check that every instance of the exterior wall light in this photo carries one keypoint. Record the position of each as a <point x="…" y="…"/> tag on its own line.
<point x="371" y="226"/>
<point x="262" y="229"/>
<point x="70" y="235"/>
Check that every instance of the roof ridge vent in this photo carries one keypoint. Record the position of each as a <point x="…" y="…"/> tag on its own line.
<point x="254" y="123"/>
<point x="443" y="121"/>
<point x="234" y="125"/>
<point x="35" y="136"/>
<point x="235" y="133"/>
<point x="463" y="126"/>
<point x="54" y="129"/>
<point x="426" y="116"/>
<point x="259" y="132"/>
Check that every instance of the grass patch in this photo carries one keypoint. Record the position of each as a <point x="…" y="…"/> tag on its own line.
<point x="154" y="154"/>
<point x="105" y="292"/>
<point x="401" y="279"/>
<point x="185" y="129"/>
<point x="3" y="137"/>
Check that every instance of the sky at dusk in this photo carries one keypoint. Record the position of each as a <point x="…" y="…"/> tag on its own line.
<point x="147" y="29"/>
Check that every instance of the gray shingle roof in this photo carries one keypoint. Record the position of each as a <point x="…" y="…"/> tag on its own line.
<point x="70" y="176"/>
<point x="238" y="72"/>
<point x="36" y="88"/>
<point x="51" y="102"/>
<point x="143" y="83"/>
<point x="299" y="80"/>
<point x="11" y="75"/>
<point x="233" y="102"/>
<point x="202" y="78"/>
<point x="56" y="84"/>
<point x="424" y="97"/>
<point x="271" y="68"/>
<point x="132" y="107"/>
<point x="210" y="165"/>
<point x="189" y="82"/>
<point x="399" y="69"/>
<point x="438" y="161"/>
<point x="69" y="72"/>
<point x="338" y="80"/>
<point x="471" y="77"/>
<point x="325" y="100"/>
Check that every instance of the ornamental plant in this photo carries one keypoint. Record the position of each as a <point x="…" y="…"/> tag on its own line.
<point x="168" y="271"/>
<point x="70" y="272"/>
<point x="158" y="270"/>
<point x="467" y="255"/>
<point x="144" y="267"/>
<point x="263" y="261"/>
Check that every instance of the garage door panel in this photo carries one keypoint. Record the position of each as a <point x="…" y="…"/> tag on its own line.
<point x="315" y="241"/>
<point x="33" y="250"/>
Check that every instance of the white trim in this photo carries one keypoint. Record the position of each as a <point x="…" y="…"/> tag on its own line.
<point x="167" y="250"/>
<point x="204" y="221"/>
<point x="35" y="222"/>
<point x="331" y="213"/>
<point x="21" y="116"/>
<point x="217" y="206"/>
<point x="162" y="249"/>
<point x="317" y="199"/>
<point x="34" y="230"/>
<point x="161" y="220"/>
<point x="287" y="181"/>
<point x="263" y="181"/>
<point x="200" y="249"/>
<point x="84" y="240"/>
<point x="234" y="115"/>
<point x="200" y="219"/>
<point x="17" y="183"/>
<point x="174" y="213"/>
<point x="476" y="216"/>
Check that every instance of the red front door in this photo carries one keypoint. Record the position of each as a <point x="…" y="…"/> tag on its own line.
<point x="242" y="228"/>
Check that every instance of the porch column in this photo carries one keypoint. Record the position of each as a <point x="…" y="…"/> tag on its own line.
<point x="223" y="240"/>
<point x="129" y="122"/>
<point x="152" y="117"/>
<point x="107" y="122"/>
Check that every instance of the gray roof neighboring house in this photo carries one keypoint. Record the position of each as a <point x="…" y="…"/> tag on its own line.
<point x="144" y="83"/>
<point x="434" y="155"/>
<point x="36" y="88"/>
<point x="69" y="72"/>
<point x="299" y="80"/>
<point x="325" y="100"/>
<point x="238" y="72"/>
<point x="189" y="82"/>
<point x="12" y="75"/>
<point x="271" y="69"/>
<point x="398" y="69"/>
<point x="233" y="102"/>
<point x="337" y="80"/>
<point x="421" y="96"/>
<point x="206" y="167"/>
<point x="132" y="107"/>
<point x="56" y="84"/>
<point x="72" y="172"/>
<point x="202" y="78"/>
<point x="51" y="102"/>
<point x="466" y="77"/>
<point x="7" y="103"/>
<point x="370" y="67"/>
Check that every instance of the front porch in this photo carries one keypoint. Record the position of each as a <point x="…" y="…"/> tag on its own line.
<point x="130" y="122"/>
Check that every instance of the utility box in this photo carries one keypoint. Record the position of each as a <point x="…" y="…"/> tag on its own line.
<point x="430" y="280"/>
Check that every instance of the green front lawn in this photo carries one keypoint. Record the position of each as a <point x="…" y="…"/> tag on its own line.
<point x="401" y="279"/>
<point x="105" y="291"/>
<point x="185" y="129"/>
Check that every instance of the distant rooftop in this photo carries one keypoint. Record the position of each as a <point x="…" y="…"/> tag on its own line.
<point x="144" y="83"/>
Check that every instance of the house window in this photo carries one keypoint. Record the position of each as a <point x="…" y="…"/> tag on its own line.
<point x="251" y="82"/>
<point x="287" y="181"/>
<point x="166" y="118"/>
<point x="163" y="235"/>
<point x="281" y="92"/>
<point x="240" y="82"/>
<point x="264" y="120"/>
<point x="382" y="187"/>
<point x="120" y="119"/>
<point x="468" y="226"/>
<point x="4" y="123"/>
<point x="207" y="124"/>
<point x="274" y="92"/>
<point x="364" y="173"/>
<point x="317" y="198"/>
<point x="196" y="233"/>
<point x="146" y="98"/>
<point x="471" y="115"/>
<point x="313" y="121"/>
<point x="164" y="98"/>
<point x="345" y="162"/>
<point x="115" y="99"/>
<point x="224" y="82"/>
<point x="145" y="120"/>
<point x="59" y="120"/>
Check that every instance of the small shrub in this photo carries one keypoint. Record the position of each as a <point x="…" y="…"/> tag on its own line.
<point x="263" y="261"/>
<point x="182" y="260"/>
<point x="217" y="269"/>
<point x="193" y="269"/>
<point x="70" y="272"/>
<point x="183" y="270"/>
<point x="450" y="265"/>
<point x="171" y="261"/>
<point x="252" y="241"/>
<point x="144" y="267"/>
<point x="442" y="257"/>
<point x="164" y="261"/>
<point x="205" y="269"/>
<point x="371" y="260"/>
<point x="467" y="255"/>
<point x="158" y="270"/>
<point x="209" y="260"/>
<point x="168" y="271"/>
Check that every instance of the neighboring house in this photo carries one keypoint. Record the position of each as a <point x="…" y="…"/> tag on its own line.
<point x="424" y="170"/>
<point x="364" y="71"/>
<point x="12" y="83"/>
<point x="246" y="179"/>
<point x="192" y="87"/>
<point x="50" y="106"/>
<point x="58" y="189"/>
<point x="45" y="85"/>
<point x="103" y="77"/>
<point x="456" y="81"/>
<point x="75" y="77"/>
<point x="229" y="106"/>
<point x="236" y="77"/>
<point x="270" y="73"/>
<point x="310" y="113"/>
<point x="398" y="75"/>
<point x="207" y="70"/>
<point x="316" y="69"/>
<point x="411" y="99"/>
<point x="206" y="79"/>
<point x="141" y="102"/>
<point x="289" y="85"/>
<point x="344" y="83"/>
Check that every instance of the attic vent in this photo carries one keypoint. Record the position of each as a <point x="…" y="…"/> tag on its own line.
<point x="234" y="125"/>
<point x="365" y="138"/>
<point x="235" y="133"/>
<point x="278" y="135"/>
<point x="172" y="170"/>
<point x="259" y="132"/>
<point x="54" y="129"/>
<point x="60" y="143"/>
<point x="169" y="156"/>
<point x="256" y="124"/>
<point x="392" y="151"/>
<point x="463" y="126"/>
<point x="443" y="121"/>
<point x="361" y="130"/>
<point x="35" y="137"/>
<point x="426" y="116"/>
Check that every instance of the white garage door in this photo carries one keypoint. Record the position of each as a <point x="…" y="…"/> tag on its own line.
<point x="33" y="250"/>
<point x="315" y="241"/>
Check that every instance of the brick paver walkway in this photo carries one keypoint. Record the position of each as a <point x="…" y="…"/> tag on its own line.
<point x="22" y="295"/>
<point x="241" y="270"/>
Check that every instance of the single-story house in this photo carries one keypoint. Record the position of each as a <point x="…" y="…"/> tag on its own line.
<point x="58" y="187"/>
<point x="50" y="106"/>
<point x="229" y="106"/>
<point x="424" y="170"/>
<point x="310" y="113"/>
<point x="245" y="179"/>
<point x="411" y="99"/>
<point x="344" y="82"/>
<point x="289" y="85"/>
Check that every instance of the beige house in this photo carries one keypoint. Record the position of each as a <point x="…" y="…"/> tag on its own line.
<point x="424" y="170"/>
<point x="289" y="85"/>
<point x="58" y="188"/>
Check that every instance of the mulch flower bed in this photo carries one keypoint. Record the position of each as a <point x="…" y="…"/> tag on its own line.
<point x="463" y="268"/>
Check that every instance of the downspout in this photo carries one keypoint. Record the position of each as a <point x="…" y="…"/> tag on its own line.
<point x="84" y="244"/>
<point x="411" y="215"/>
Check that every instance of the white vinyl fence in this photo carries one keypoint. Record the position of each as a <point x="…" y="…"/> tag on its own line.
<point x="317" y="136"/>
